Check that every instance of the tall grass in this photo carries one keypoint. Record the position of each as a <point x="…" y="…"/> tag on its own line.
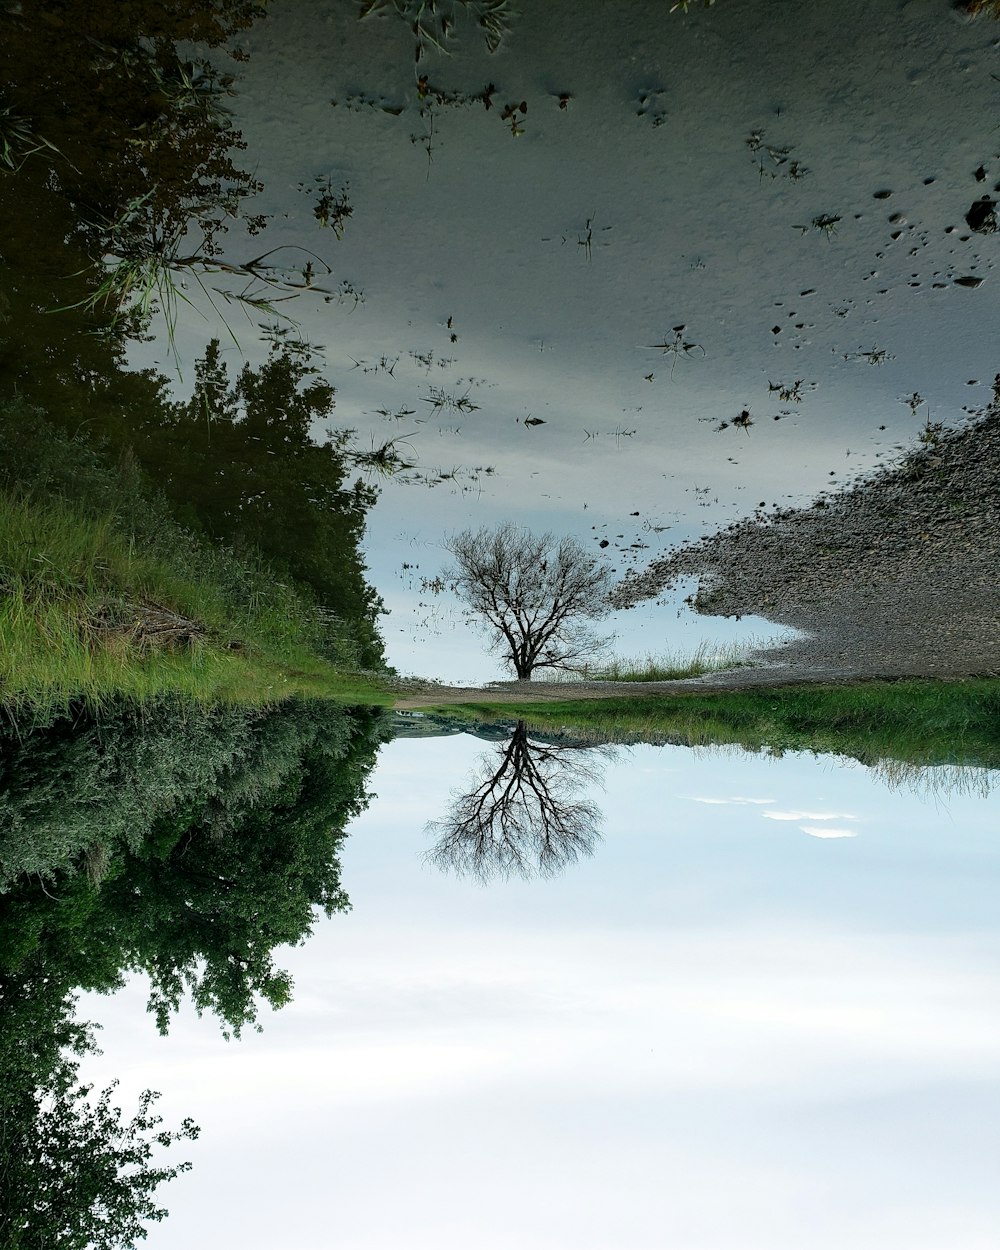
<point x="89" y="550"/>
<point x="672" y="666"/>
<point x="74" y="580"/>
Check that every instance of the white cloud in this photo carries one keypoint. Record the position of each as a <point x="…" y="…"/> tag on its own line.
<point x="824" y="831"/>
<point x="737" y="800"/>
<point x="809" y="816"/>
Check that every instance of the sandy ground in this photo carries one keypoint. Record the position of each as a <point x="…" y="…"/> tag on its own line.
<point x="555" y="692"/>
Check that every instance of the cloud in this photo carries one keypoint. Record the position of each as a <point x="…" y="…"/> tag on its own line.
<point x="809" y="816"/>
<point x="824" y="831"/>
<point x="737" y="800"/>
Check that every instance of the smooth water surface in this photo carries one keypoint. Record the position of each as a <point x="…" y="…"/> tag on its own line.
<point x="543" y="276"/>
<point x="683" y="267"/>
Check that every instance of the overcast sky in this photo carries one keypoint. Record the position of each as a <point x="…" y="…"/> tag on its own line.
<point x="764" y="1015"/>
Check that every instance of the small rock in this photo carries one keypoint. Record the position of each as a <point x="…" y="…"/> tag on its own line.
<point x="969" y="281"/>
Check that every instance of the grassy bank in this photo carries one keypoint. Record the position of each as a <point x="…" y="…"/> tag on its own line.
<point x="103" y="594"/>
<point x="913" y="722"/>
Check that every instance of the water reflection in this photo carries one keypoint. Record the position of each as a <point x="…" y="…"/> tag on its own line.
<point x="524" y="814"/>
<point x="182" y="842"/>
<point x="666" y="294"/>
<point x="187" y="843"/>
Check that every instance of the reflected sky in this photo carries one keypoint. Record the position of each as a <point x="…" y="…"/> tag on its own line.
<point x="535" y="275"/>
<point x="722" y="1031"/>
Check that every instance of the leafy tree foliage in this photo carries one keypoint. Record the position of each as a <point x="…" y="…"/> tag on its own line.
<point x="532" y="594"/>
<point x="240" y="460"/>
<point x="73" y="1171"/>
<point x="90" y="88"/>
<point x="226" y="846"/>
<point x="75" y="1174"/>
<point x="182" y="843"/>
<point x="113" y="145"/>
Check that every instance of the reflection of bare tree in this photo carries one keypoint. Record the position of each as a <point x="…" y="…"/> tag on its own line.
<point x="523" y="816"/>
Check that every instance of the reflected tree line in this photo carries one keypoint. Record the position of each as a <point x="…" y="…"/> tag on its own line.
<point x="181" y="843"/>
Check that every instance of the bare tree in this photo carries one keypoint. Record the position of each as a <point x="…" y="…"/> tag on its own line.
<point x="523" y="817"/>
<point x="533" y="593"/>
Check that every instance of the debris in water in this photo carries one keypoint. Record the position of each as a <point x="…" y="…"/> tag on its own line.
<point x="981" y="217"/>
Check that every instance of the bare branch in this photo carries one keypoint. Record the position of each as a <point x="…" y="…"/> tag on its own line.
<point x="532" y="593"/>
<point x="523" y="816"/>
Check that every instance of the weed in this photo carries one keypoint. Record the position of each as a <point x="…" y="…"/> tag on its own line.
<point x="385" y="459"/>
<point x="401" y="414"/>
<point x="743" y="420"/>
<point x="672" y="666"/>
<point x="913" y="402"/>
<point x="512" y="114"/>
<point x="875" y="356"/>
<point x="433" y="22"/>
<point x="144" y="268"/>
<point x="332" y="208"/>
<point x="783" y="166"/>
<point x="441" y="401"/>
<point x="19" y="142"/>
<point x="826" y="223"/>
<point x="788" y="392"/>
<point x="677" y="347"/>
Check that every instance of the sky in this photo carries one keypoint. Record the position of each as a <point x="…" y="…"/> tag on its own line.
<point x="728" y="1030"/>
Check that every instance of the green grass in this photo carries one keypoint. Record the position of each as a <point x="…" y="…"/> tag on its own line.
<point x="917" y="723"/>
<point x="73" y="583"/>
<point x="671" y="666"/>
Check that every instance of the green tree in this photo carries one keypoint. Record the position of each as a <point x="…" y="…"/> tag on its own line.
<point x="241" y="460"/>
<point x="204" y="877"/>
<point x="74" y="1171"/>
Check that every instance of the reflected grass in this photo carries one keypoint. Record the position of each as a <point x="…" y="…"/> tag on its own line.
<point x="920" y="723"/>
